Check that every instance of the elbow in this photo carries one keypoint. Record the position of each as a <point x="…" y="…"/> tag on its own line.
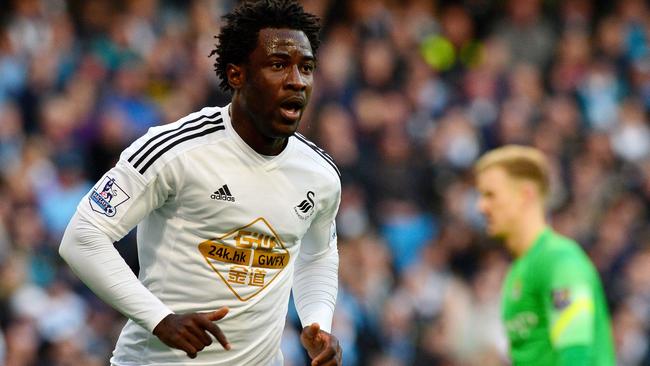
<point x="66" y="246"/>
<point x="80" y="239"/>
<point x="73" y="238"/>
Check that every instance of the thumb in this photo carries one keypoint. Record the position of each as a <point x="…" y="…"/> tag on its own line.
<point x="312" y="330"/>
<point x="217" y="314"/>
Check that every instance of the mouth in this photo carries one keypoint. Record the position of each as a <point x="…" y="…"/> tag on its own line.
<point x="291" y="108"/>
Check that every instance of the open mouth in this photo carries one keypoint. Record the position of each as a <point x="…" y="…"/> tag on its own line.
<point x="291" y="109"/>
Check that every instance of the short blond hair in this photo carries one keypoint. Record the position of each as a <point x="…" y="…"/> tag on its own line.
<point x="518" y="161"/>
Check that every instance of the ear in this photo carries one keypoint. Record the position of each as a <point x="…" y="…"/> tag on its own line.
<point x="530" y="191"/>
<point x="236" y="75"/>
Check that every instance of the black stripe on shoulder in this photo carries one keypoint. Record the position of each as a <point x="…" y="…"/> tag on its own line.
<point x="176" y="142"/>
<point x="171" y="137"/>
<point x="160" y="135"/>
<point x="319" y="151"/>
<point x="315" y="147"/>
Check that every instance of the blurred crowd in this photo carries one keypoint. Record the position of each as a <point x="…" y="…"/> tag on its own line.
<point x="408" y="94"/>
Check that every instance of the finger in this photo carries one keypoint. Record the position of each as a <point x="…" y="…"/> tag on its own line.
<point x="217" y="314"/>
<point x="199" y="332"/>
<point x="339" y="355"/>
<point x="184" y="345"/>
<point x="312" y="330"/>
<point x="337" y="360"/>
<point x="193" y="340"/>
<point x="216" y="332"/>
<point x="332" y="362"/>
<point x="328" y="354"/>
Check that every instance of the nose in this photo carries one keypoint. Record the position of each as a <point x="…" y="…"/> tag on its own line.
<point x="295" y="80"/>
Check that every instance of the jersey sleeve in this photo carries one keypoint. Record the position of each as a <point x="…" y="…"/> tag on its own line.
<point x="124" y="196"/>
<point x="569" y="303"/>
<point x="316" y="270"/>
<point x="116" y="204"/>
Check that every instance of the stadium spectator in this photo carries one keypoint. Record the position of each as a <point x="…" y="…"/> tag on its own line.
<point x="587" y="86"/>
<point x="262" y="176"/>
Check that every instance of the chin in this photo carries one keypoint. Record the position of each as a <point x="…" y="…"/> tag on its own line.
<point x="282" y="133"/>
<point x="494" y="233"/>
<point x="285" y="129"/>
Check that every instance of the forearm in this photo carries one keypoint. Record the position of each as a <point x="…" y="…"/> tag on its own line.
<point x="92" y="256"/>
<point x="315" y="288"/>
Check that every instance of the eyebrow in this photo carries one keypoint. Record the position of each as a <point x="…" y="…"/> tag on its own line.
<point x="286" y="55"/>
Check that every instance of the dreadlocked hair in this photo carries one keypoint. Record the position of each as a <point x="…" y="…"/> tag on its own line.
<point x="239" y="34"/>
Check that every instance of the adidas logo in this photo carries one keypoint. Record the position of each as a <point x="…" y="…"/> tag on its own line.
<point x="223" y="194"/>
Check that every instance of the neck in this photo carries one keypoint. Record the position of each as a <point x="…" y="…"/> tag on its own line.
<point x="525" y="232"/>
<point x="243" y="123"/>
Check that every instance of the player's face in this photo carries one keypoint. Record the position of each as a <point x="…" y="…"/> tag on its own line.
<point x="501" y="200"/>
<point x="278" y="83"/>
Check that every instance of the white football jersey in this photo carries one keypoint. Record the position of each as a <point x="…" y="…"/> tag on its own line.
<point x="218" y="224"/>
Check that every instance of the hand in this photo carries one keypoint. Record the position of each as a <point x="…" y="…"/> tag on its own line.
<point x="187" y="332"/>
<point x="322" y="347"/>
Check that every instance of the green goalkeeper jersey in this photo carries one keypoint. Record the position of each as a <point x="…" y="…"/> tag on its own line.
<point x="554" y="307"/>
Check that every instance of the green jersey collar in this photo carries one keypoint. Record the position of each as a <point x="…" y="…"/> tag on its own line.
<point x="546" y="233"/>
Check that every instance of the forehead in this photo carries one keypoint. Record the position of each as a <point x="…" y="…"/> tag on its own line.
<point x="273" y="40"/>
<point x="493" y="177"/>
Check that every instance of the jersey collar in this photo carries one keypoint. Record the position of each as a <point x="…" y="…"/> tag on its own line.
<point x="268" y="162"/>
<point x="539" y="241"/>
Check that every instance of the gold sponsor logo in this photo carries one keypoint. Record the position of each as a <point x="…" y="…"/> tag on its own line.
<point x="247" y="259"/>
<point x="270" y="260"/>
<point x="250" y="239"/>
<point x="224" y="253"/>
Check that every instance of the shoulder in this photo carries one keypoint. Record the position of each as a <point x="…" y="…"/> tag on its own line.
<point x="565" y="255"/>
<point x="161" y="144"/>
<point x="560" y="246"/>
<point x="318" y="156"/>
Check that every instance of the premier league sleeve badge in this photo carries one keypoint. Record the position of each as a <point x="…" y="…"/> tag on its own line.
<point x="106" y="196"/>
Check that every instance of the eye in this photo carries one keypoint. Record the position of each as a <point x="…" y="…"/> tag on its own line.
<point x="308" y="68"/>
<point x="277" y="66"/>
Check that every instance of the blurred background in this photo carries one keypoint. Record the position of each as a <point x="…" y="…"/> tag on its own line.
<point x="408" y="94"/>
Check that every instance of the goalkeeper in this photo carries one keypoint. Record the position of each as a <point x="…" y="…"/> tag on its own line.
<point x="553" y="304"/>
